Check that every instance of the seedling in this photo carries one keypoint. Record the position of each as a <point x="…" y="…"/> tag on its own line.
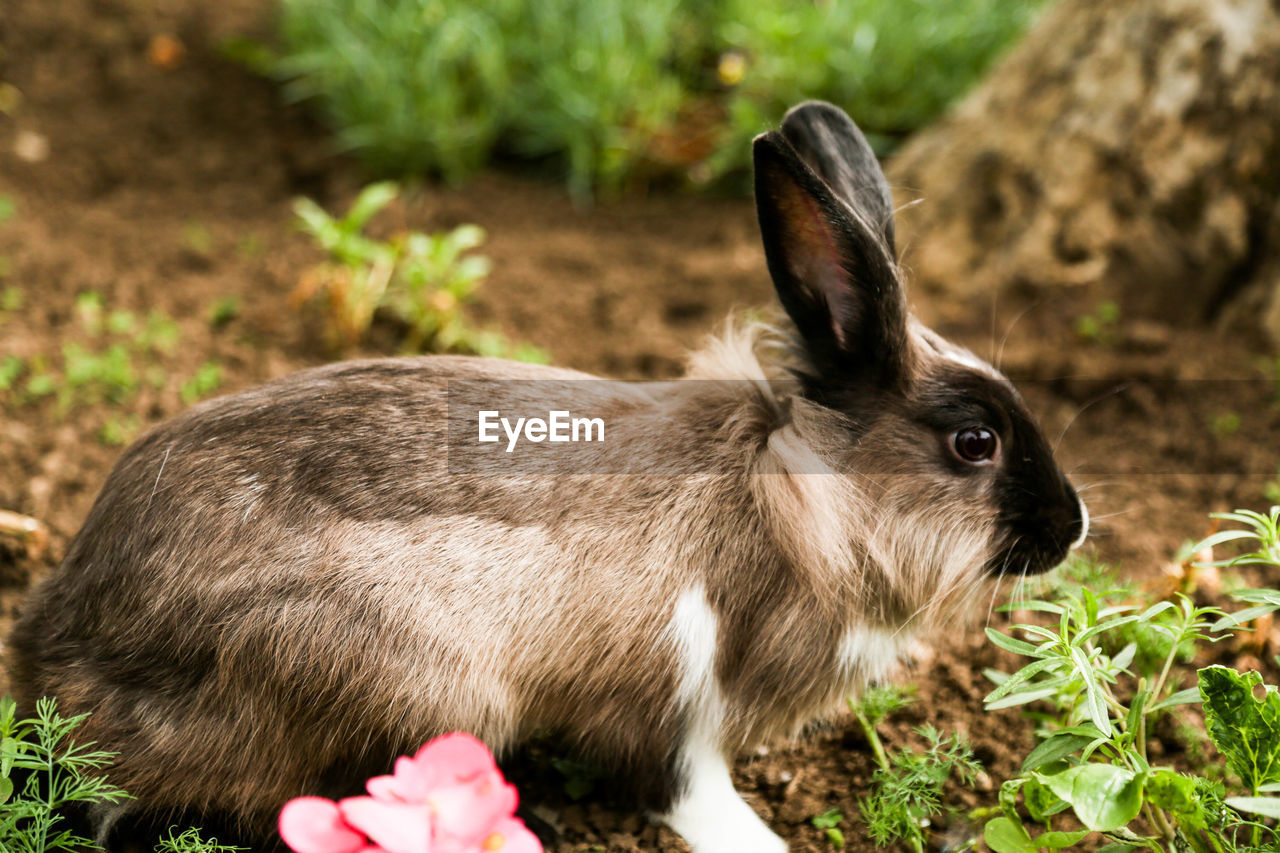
<point x="118" y="430"/>
<point x="223" y="311"/>
<point x="907" y="786"/>
<point x="44" y="772"/>
<point x="1099" y="326"/>
<point x="206" y="380"/>
<point x="829" y="822"/>
<point x="62" y="772"/>
<point x="198" y="238"/>
<point x="1225" y="424"/>
<point x="1271" y="489"/>
<point x="422" y="279"/>
<point x="191" y="841"/>
<point x="11" y="299"/>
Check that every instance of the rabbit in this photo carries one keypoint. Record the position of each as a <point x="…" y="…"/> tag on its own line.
<point x="280" y="590"/>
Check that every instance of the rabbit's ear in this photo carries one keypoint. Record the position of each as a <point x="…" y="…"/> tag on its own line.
<point x="834" y="273"/>
<point x="830" y="143"/>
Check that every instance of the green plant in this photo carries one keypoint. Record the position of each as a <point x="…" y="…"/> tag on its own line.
<point x="11" y="367"/>
<point x="423" y="279"/>
<point x="7" y="208"/>
<point x="441" y="85"/>
<point x="223" y="311"/>
<point x="61" y="772"/>
<point x="191" y="841"/>
<point x="436" y="85"/>
<point x="1271" y="489"/>
<point x="11" y="299"/>
<point x="894" y="64"/>
<point x="906" y="789"/>
<point x="1093" y="756"/>
<point x="1224" y="424"/>
<point x="1099" y="326"/>
<point x="206" y="380"/>
<point x="118" y="430"/>
<point x="829" y="822"/>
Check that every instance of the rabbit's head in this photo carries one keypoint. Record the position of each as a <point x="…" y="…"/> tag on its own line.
<point x="956" y="482"/>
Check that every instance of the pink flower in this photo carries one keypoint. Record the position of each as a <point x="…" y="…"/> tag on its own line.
<point x="314" y="825"/>
<point x="449" y="798"/>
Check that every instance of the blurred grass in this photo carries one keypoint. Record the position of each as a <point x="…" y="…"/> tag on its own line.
<point x="612" y="89"/>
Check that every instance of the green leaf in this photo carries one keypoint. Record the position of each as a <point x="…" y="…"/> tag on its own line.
<point x="1058" y="840"/>
<point x="1176" y="793"/>
<point x="1090" y="606"/>
<point x="1010" y="644"/>
<point x="1008" y="797"/>
<point x="1019" y="678"/>
<point x="1103" y="796"/>
<point x="1022" y="698"/>
<point x="1245" y="730"/>
<point x="1057" y="747"/>
<point x="1265" y="806"/>
<point x="1182" y="697"/>
<point x="1004" y="836"/>
<point x="1095" y="702"/>
<point x="1042" y="803"/>
<point x="371" y="200"/>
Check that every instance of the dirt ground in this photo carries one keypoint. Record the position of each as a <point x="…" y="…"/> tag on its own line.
<point x="160" y="175"/>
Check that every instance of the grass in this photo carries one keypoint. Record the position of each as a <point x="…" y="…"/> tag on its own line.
<point x="595" y="86"/>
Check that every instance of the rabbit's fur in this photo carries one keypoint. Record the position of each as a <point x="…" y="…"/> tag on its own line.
<point x="279" y="591"/>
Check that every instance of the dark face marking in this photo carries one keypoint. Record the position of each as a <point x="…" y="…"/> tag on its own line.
<point x="1038" y="511"/>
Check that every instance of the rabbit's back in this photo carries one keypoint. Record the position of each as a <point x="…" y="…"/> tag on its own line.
<point x="284" y="584"/>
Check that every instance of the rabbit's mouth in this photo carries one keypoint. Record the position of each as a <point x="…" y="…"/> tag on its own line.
<point x="1039" y="544"/>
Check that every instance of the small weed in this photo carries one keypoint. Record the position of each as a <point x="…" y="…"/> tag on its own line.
<point x="206" y="380"/>
<point x="829" y="822"/>
<point x="191" y="841"/>
<point x="58" y="773"/>
<point x="580" y="778"/>
<point x="7" y="209"/>
<point x="907" y="787"/>
<point x="1099" y="326"/>
<point x="1271" y="489"/>
<point x="908" y="792"/>
<point x="422" y="279"/>
<point x="62" y="772"/>
<point x="118" y="430"/>
<point x="197" y="238"/>
<point x="223" y="311"/>
<point x="11" y="299"/>
<point x="11" y="367"/>
<point x="1225" y="424"/>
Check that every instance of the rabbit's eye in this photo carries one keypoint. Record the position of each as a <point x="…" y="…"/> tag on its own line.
<point x="976" y="444"/>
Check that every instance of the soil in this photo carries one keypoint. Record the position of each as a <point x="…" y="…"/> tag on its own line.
<point x="147" y="168"/>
